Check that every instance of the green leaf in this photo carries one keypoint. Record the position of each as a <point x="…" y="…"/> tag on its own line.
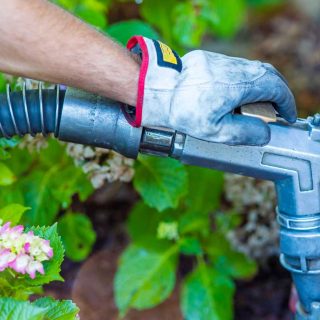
<point x="11" y="309"/>
<point x="12" y="213"/>
<point x="69" y="181"/>
<point x="194" y="221"/>
<point x="236" y="264"/>
<point x="161" y="182"/>
<point x="11" y="194"/>
<point x="189" y="28"/>
<point x="77" y="235"/>
<point x="225" y="17"/>
<point x="50" y="183"/>
<point x="207" y="294"/>
<point x="38" y="195"/>
<point x="52" y="267"/>
<point x="227" y="260"/>
<point x="144" y="278"/>
<point x="6" y="144"/>
<point x="160" y="14"/>
<point x="57" y="309"/>
<point x="264" y="3"/>
<point x="20" y="161"/>
<point x="141" y="233"/>
<point x="93" y="17"/>
<point x="226" y="221"/>
<point x="190" y="246"/>
<point x="205" y="189"/>
<point x="6" y="175"/>
<point x="124" y="30"/>
<point x="3" y="83"/>
<point x="16" y="287"/>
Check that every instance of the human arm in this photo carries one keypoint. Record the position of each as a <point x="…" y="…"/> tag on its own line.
<point x="39" y="40"/>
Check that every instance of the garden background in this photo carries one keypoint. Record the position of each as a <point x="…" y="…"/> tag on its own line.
<point x="152" y="239"/>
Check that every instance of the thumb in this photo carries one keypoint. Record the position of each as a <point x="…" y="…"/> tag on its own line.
<point x="244" y="130"/>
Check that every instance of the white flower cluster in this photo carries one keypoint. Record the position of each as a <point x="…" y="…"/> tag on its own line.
<point x="257" y="237"/>
<point x="33" y="144"/>
<point x="101" y="164"/>
<point x="23" y="252"/>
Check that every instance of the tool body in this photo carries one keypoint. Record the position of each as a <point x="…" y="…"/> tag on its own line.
<point x="291" y="159"/>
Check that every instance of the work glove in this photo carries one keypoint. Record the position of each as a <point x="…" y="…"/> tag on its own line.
<point x="198" y="93"/>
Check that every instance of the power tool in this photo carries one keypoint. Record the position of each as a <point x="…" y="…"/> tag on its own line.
<point x="291" y="160"/>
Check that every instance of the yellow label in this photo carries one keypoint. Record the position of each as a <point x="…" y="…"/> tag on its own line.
<point x="167" y="54"/>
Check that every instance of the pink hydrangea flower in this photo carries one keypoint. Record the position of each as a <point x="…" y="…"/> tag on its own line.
<point x="22" y="251"/>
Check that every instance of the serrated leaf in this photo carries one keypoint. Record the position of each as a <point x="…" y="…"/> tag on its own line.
<point x="57" y="309"/>
<point x="207" y="294"/>
<point x="161" y="182"/>
<point x="78" y="235"/>
<point x="11" y="309"/>
<point x="124" y="30"/>
<point x="6" y="175"/>
<point x="144" y="278"/>
<point x="52" y="267"/>
<point x="12" y="213"/>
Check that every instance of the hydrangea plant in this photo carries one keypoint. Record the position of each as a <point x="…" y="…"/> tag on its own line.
<point x="23" y="252"/>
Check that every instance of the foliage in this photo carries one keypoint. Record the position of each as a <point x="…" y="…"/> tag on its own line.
<point x="77" y="234"/>
<point x="41" y="309"/>
<point x="47" y="181"/>
<point x="122" y="31"/>
<point x="160" y="182"/>
<point x="192" y="227"/>
<point x="16" y="288"/>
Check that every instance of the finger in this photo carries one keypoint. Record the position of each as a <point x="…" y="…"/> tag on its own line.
<point x="272" y="69"/>
<point x="244" y="130"/>
<point x="272" y="88"/>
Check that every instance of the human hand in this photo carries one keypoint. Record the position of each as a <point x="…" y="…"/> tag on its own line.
<point x="198" y="93"/>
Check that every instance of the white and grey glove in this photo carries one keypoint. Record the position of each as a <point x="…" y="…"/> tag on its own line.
<point x="198" y="93"/>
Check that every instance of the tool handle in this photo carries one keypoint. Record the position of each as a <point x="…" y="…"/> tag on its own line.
<point x="263" y="110"/>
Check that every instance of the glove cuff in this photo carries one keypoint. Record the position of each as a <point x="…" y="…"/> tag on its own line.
<point x="159" y="71"/>
<point x="137" y="45"/>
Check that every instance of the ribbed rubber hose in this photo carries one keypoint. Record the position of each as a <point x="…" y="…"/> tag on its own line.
<point x="30" y="111"/>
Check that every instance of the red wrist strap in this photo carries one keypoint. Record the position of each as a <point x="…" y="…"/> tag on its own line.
<point x="138" y="40"/>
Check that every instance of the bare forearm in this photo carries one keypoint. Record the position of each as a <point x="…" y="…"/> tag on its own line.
<point x="41" y="41"/>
